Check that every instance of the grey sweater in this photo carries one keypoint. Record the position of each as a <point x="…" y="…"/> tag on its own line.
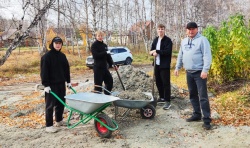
<point x="194" y="54"/>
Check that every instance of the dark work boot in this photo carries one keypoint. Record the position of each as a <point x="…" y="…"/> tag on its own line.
<point x="207" y="125"/>
<point x="193" y="118"/>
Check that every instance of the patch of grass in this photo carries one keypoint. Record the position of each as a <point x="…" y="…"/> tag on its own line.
<point x="27" y="62"/>
<point x="142" y="58"/>
<point x="180" y="80"/>
<point x="175" y="53"/>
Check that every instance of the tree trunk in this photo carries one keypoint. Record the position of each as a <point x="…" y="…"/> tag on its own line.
<point x="22" y="35"/>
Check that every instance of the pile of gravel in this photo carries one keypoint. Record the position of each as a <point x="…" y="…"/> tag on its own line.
<point x="136" y="82"/>
<point x="133" y="79"/>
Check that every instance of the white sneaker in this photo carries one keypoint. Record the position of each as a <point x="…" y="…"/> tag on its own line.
<point x="61" y="123"/>
<point x="51" y="129"/>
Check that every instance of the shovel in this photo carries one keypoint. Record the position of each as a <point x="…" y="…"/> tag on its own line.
<point x="153" y="88"/>
<point x="118" y="74"/>
<point x="119" y="78"/>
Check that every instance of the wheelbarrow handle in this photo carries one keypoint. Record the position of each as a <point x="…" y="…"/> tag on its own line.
<point x="41" y="87"/>
<point x="58" y="98"/>
<point x="73" y="89"/>
<point x="102" y="88"/>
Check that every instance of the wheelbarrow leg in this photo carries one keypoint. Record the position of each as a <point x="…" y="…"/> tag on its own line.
<point x="116" y="111"/>
<point x="154" y="103"/>
<point x="124" y="115"/>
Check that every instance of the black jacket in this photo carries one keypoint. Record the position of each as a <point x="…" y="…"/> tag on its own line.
<point x="165" y="51"/>
<point x="54" y="68"/>
<point x="99" y="52"/>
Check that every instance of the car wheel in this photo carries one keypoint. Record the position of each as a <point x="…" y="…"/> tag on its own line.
<point x="128" y="61"/>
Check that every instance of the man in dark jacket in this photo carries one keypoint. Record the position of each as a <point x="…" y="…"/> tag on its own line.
<point x="161" y="49"/>
<point x="55" y="72"/>
<point x="102" y="57"/>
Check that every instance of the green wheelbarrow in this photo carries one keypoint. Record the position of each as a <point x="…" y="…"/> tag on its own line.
<point x="90" y="106"/>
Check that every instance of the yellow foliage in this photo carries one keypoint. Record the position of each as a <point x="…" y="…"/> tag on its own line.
<point x="84" y="37"/>
<point x="83" y="32"/>
<point x="50" y="34"/>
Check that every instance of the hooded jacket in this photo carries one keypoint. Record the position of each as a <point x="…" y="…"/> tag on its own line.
<point x="194" y="54"/>
<point x="54" y="67"/>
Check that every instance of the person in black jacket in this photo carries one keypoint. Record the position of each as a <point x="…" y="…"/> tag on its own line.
<point x="102" y="58"/>
<point x="54" y="73"/>
<point x="161" y="49"/>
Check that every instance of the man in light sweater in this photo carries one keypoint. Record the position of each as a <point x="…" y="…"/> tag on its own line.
<point x="195" y="57"/>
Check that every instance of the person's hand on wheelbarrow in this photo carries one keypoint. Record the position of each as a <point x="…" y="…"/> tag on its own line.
<point x="47" y="89"/>
<point x="69" y="85"/>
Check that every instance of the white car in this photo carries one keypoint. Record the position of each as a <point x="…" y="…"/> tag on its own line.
<point x="120" y="56"/>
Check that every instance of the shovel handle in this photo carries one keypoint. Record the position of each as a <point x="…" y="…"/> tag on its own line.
<point x="153" y="89"/>
<point x="118" y="75"/>
<point x="120" y="79"/>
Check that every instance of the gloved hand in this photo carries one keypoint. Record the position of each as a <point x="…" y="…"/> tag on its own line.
<point x="108" y="52"/>
<point x="69" y="85"/>
<point x="47" y="89"/>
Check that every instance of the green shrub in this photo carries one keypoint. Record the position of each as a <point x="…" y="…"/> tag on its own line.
<point x="230" y="49"/>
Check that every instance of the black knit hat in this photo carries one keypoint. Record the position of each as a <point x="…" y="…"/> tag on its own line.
<point x="191" y="25"/>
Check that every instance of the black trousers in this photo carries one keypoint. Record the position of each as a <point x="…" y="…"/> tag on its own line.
<point x="162" y="77"/>
<point x="100" y="76"/>
<point x="51" y="102"/>
<point x="198" y="95"/>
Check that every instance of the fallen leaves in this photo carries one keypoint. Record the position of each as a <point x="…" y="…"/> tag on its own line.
<point x="232" y="111"/>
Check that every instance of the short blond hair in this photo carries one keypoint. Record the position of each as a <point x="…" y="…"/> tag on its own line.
<point x="99" y="32"/>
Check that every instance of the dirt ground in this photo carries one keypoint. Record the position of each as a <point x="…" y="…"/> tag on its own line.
<point x="167" y="129"/>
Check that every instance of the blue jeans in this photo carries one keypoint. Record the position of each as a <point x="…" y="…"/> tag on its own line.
<point x="198" y="95"/>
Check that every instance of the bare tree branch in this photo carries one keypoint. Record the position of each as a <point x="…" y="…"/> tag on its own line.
<point x="22" y="35"/>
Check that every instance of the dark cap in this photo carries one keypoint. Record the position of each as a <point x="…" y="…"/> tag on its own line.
<point x="191" y="25"/>
<point x="57" y="39"/>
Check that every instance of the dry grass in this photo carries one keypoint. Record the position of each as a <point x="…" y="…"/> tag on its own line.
<point x="27" y="62"/>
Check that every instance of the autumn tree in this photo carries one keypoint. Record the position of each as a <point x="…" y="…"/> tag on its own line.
<point x="22" y="35"/>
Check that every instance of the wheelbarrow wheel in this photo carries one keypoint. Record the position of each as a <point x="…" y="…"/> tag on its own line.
<point x="102" y="130"/>
<point x="148" y="112"/>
